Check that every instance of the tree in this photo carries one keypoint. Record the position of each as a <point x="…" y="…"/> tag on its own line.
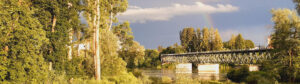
<point x="186" y="38"/>
<point x="160" y="48"/>
<point x="197" y="40"/>
<point x="20" y="48"/>
<point x="93" y="17"/>
<point x="133" y="54"/>
<point x="217" y="42"/>
<point x="114" y="7"/>
<point x="205" y="39"/>
<point x="249" y="44"/>
<point x="112" y="64"/>
<point x="151" y="58"/>
<point x="174" y="49"/>
<point x="211" y="36"/>
<point x="131" y="51"/>
<point x="232" y="42"/>
<point x="60" y="19"/>
<point x="297" y="2"/>
<point x="240" y="42"/>
<point x="123" y="31"/>
<point x="286" y="43"/>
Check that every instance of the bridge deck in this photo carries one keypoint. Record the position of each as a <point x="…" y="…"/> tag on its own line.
<point x="217" y="52"/>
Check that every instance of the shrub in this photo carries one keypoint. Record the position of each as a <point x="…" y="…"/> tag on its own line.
<point x="238" y="75"/>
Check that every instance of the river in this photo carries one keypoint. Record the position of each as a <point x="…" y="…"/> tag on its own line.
<point x="172" y="74"/>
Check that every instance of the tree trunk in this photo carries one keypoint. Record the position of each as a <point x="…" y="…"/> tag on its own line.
<point x="96" y="41"/>
<point x="111" y="17"/>
<point x="70" y="46"/>
<point x="290" y="54"/>
<point x="53" y="23"/>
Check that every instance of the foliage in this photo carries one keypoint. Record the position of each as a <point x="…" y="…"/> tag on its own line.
<point x="286" y="44"/>
<point x="22" y="37"/>
<point x="217" y="42"/>
<point x="186" y="37"/>
<point x="152" y="59"/>
<point x="238" y="75"/>
<point x="197" y="41"/>
<point x="260" y="78"/>
<point x="175" y="49"/>
<point x="238" y="42"/>
<point x="249" y="44"/>
<point x="111" y="63"/>
<point x="131" y="51"/>
<point x="171" y="66"/>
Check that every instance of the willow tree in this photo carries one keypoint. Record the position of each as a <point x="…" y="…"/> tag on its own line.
<point x="22" y="37"/>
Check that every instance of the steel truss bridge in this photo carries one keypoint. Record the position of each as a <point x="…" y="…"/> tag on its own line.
<point x="235" y="56"/>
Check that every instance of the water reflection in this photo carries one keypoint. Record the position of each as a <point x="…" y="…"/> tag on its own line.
<point x="172" y="74"/>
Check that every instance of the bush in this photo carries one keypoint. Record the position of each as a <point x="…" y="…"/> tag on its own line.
<point x="166" y="80"/>
<point x="169" y="66"/>
<point x="238" y="75"/>
<point x="260" y="78"/>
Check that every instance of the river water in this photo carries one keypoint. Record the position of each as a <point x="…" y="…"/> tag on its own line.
<point x="172" y="74"/>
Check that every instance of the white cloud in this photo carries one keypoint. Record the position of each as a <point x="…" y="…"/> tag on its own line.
<point x="137" y="14"/>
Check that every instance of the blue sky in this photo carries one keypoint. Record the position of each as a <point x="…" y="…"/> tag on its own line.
<point x="158" y="22"/>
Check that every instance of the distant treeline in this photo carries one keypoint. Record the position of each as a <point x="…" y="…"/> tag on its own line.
<point x="207" y="39"/>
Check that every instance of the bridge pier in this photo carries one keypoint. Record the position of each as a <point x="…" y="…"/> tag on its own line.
<point x="253" y="67"/>
<point x="208" y="68"/>
<point x="184" y="68"/>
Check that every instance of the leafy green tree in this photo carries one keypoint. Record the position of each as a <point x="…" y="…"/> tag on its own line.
<point x="113" y="67"/>
<point x="20" y="48"/>
<point x="133" y="54"/>
<point x="217" y="42"/>
<point x="151" y="58"/>
<point x="131" y="51"/>
<point x="286" y="43"/>
<point x="211" y="36"/>
<point x="123" y="31"/>
<point x="297" y="2"/>
<point x="160" y="48"/>
<point x="60" y="19"/>
<point x="232" y="42"/>
<point x="239" y="42"/>
<point x="174" y="49"/>
<point x="197" y="40"/>
<point x="249" y="44"/>
<point x="238" y="75"/>
<point x="186" y="38"/>
<point x="205" y="39"/>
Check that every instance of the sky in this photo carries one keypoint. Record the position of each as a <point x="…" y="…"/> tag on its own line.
<point x="158" y="22"/>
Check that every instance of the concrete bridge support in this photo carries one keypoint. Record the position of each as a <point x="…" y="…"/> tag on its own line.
<point x="253" y="67"/>
<point x="208" y="68"/>
<point x="184" y="68"/>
